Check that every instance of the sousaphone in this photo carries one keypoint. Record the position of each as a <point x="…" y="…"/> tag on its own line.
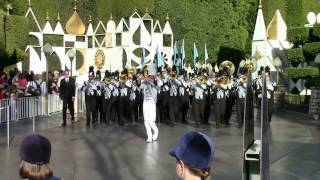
<point x="227" y="65"/>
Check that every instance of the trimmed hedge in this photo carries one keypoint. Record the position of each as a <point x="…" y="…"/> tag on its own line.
<point x="298" y="35"/>
<point x="300" y="73"/>
<point x="295" y="56"/>
<point x="316" y="30"/>
<point x="311" y="50"/>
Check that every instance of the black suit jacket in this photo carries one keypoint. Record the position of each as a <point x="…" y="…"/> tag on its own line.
<point x="67" y="90"/>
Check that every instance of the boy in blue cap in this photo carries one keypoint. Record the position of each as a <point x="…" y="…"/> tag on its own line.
<point x="35" y="153"/>
<point x="194" y="153"/>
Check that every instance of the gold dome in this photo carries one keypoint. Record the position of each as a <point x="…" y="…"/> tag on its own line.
<point x="75" y="25"/>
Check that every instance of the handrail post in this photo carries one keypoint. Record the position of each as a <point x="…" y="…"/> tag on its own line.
<point x="8" y="126"/>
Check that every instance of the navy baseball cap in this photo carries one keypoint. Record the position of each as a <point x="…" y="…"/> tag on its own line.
<point x="195" y="149"/>
<point x="35" y="149"/>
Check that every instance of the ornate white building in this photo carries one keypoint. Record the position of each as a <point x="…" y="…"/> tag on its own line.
<point x="269" y="43"/>
<point x="108" y="46"/>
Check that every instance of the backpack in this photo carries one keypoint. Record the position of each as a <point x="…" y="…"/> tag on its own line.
<point x="34" y="91"/>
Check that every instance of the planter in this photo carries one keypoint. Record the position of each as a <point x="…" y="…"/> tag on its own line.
<point x="314" y="105"/>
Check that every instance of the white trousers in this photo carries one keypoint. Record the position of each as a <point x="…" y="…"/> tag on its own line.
<point x="149" y="116"/>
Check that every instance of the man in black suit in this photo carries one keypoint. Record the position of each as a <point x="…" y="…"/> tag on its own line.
<point x="67" y="95"/>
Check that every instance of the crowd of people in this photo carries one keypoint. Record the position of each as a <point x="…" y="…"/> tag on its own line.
<point x="15" y="84"/>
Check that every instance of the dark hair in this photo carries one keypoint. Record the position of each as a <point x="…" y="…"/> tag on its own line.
<point x="35" y="172"/>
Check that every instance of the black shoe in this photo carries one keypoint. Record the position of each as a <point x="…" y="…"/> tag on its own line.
<point x="63" y="125"/>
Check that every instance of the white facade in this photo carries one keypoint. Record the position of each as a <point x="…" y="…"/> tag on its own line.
<point x="99" y="45"/>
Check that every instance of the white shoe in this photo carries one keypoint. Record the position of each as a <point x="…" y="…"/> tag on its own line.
<point x="155" y="138"/>
<point x="149" y="140"/>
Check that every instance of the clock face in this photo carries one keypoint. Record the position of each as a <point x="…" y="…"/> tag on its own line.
<point x="99" y="59"/>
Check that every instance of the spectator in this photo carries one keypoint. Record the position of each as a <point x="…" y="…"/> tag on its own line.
<point x="35" y="153"/>
<point x="53" y="83"/>
<point x="194" y="154"/>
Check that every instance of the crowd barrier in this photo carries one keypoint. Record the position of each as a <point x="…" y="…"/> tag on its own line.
<point x="29" y="107"/>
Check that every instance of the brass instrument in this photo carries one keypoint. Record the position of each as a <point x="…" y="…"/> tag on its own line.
<point x="228" y="65"/>
<point x="174" y="74"/>
<point x="202" y="79"/>
<point x="251" y="65"/>
<point x="123" y="78"/>
<point x="131" y="73"/>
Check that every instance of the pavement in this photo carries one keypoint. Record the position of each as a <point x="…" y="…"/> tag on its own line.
<point x="120" y="153"/>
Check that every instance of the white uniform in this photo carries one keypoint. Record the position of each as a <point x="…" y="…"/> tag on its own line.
<point x="149" y="110"/>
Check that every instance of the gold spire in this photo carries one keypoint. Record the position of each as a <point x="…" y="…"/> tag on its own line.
<point x="260" y="4"/>
<point x="167" y="17"/>
<point x="275" y="26"/>
<point x="75" y="5"/>
<point x="111" y="16"/>
<point x="135" y="9"/>
<point x="58" y="17"/>
<point x="147" y="10"/>
<point x="75" y="25"/>
<point x="47" y="18"/>
<point x="29" y="3"/>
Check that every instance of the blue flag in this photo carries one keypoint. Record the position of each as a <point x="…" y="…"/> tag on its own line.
<point x="195" y="54"/>
<point x="206" y="56"/>
<point x="183" y="53"/>
<point x="160" y="62"/>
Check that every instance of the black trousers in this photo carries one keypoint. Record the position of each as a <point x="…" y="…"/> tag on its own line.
<point x="198" y="110"/>
<point x="67" y="104"/>
<point x="220" y="108"/>
<point x="114" y="109"/>
<point x="124" y="109"/>
<point x="207" y="110"/>
<point x="100" y="108"/>
<point x="91" y="103"/>
<point x="133" y="110"/>
<point x="164" y="106"/>
<point x="183" y="108"/>
<point x="229" y="105"/>
<point x="107" y="105"/>
<point x="240" y="110"/>
<point x="173" y="108"/>
<point x="270" y="108"/>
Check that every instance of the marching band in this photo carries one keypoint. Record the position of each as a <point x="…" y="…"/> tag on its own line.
<point x="166" y="94"/>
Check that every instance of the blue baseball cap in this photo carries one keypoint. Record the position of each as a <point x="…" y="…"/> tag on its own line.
<point x="195" y="149"/>
<point x="35" y="149"/>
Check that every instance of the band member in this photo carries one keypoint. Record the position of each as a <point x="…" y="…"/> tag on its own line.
<point x="150" y="91"/>
<point x="219" y="100"/>
<point x="241" y="89"/>
<point x="90" y="89"/>
<point x="67" y="94"/>
<point x="134" y="91"/>
<point x="183" y="96"/>
<point x="124" y="98"/>
<point x="173" y="98"/>
<point x="115" y="97"/>
<point x="271" y="87"/>
<point x="229" y="98"/>
<point x="107" y="90"/>
<point x="99" y="96"/>
<point x="164" y="96"/>
<point x="199" y="98"/>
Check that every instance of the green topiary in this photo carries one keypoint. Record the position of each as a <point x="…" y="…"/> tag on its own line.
<point x="298" y="35"/>
<point x="311" y="50"/>
<point x="295" y="56"/>
<point x="300" y="73"/>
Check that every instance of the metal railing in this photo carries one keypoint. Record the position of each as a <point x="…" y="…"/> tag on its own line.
<point x="29" y="107"/>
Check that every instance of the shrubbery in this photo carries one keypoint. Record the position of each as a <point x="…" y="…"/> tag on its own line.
<point x="300" y="73"/>
<point x="295" y="56"/>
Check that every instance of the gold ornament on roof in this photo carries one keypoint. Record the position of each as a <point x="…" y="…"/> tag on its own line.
<point x="58" y="17"/>
<point x="99" y="59"/>
<point x="47" y="18"/>
<point x="167" y="17"/>
<point x="29" y="3"/>
<point x="74" y="24"/>
<point x="257" y="55"/>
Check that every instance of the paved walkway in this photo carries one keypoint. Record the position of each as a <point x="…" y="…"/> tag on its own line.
<point x="121" y="153"/>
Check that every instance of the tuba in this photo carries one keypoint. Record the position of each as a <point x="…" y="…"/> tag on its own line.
<point x="131" y="73"/>
<point x="227" y="65"/>
<point x="123" y="78"/>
